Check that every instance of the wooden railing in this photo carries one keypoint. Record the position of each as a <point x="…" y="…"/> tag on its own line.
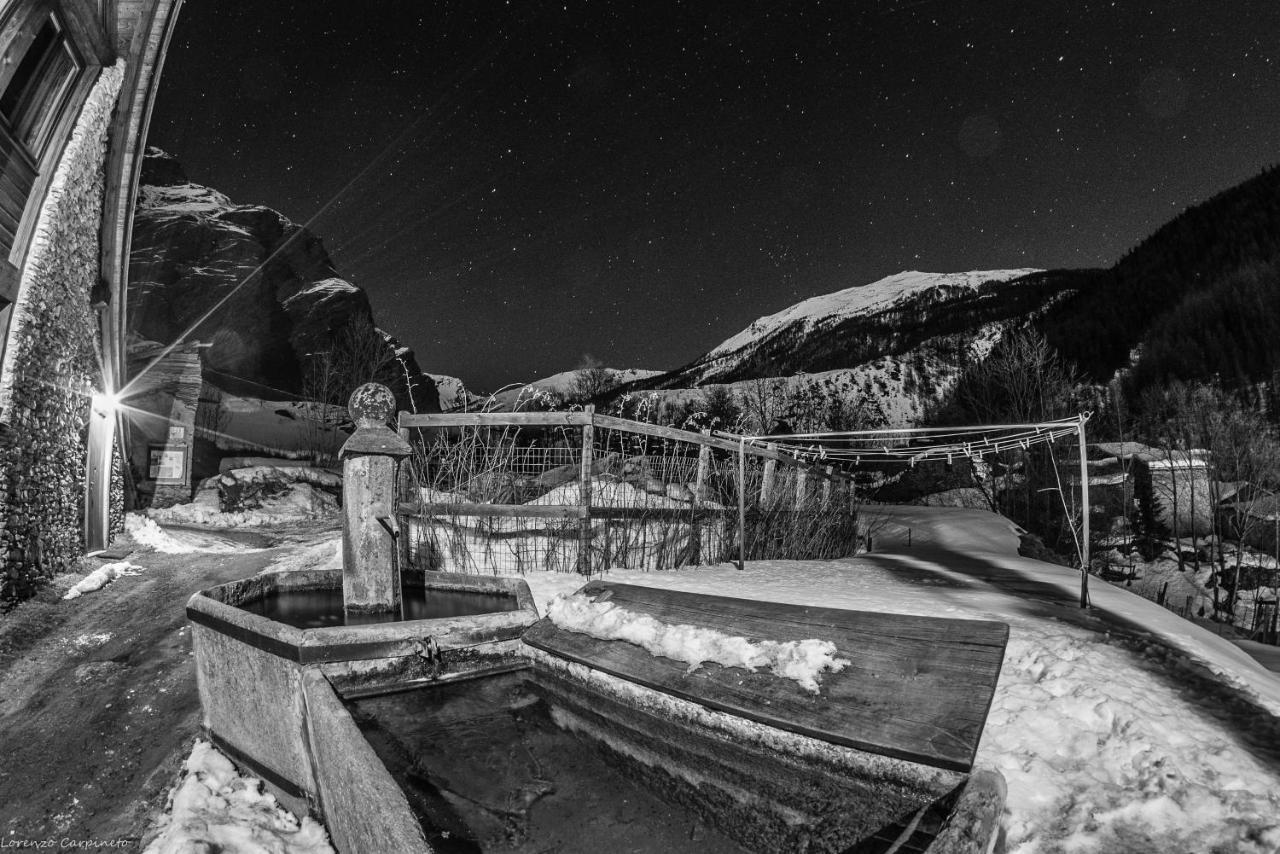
<point x="814" y="484"/>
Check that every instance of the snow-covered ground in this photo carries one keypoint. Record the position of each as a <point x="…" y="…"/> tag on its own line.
<point x="1187" y="589"/>
<point x="1122" y="728"/>
<point x="1119" y="729"/>
<point x="213" y="808"/>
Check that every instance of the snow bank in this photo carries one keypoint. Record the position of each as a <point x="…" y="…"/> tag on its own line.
<point x="101" y="577"/>
<point x="146" y="533"/>
<point x="268" y="495"/>
<point x="801" y="661"/>
<point x="213" y="808"/>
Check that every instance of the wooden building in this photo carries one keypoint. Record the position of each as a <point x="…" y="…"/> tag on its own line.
<point x="77" y="82"/>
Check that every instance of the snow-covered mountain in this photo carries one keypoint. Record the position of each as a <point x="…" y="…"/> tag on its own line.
<point x="565" y="385"/>
<point x="452" y="391"/>
<point x="260" y="290"/>
<point x="902" y="339"/>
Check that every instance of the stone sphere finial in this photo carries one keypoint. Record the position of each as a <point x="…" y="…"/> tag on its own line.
<point x="371" y="405"/>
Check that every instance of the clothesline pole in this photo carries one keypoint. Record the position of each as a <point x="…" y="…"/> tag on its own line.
<point x="742" y="503"/>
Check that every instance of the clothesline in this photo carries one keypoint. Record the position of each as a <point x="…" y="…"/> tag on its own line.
<point x="918" y="444"/>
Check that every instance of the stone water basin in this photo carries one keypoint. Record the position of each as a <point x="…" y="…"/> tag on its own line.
<point x="273" y="653"/>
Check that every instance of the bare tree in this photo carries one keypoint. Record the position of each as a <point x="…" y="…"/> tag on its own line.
<point x="764" y="401"/>
<point x="593" y="379"/>
<point x="359" y="354"/>
<point x="1022" y="380"/>
<point x="1246" y="452"/>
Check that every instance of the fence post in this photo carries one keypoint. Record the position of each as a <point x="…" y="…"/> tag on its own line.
<point x="370" y="489"/>
<point x="699" y="483"/>
<point x="802" y="486"/>
<point x="1084" y="516"/>
<point x="407" y="491"/>
<point x="766" y="482"/>
<point x="742" y="502"/>
<point x="584" y="494"/>
<point x="826" y="486"/>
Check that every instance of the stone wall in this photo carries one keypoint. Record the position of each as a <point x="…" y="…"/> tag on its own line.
<point x="52" y="362"/>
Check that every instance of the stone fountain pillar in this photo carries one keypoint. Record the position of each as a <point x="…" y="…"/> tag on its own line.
<point x="370" y="458"/>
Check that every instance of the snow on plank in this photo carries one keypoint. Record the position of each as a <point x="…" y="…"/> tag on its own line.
<point x="916" y="688"/>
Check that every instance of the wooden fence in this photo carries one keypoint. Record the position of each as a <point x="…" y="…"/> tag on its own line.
<point x="581" y="491"/>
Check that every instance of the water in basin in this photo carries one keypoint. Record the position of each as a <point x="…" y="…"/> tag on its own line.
<point x="487" y="770"/>
<point x="315" y="608"/>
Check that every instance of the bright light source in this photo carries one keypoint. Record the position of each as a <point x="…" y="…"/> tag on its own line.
<point x="103" y="403"/>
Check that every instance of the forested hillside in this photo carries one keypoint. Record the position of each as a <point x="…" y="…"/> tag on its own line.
<point x="1198" y="298"/>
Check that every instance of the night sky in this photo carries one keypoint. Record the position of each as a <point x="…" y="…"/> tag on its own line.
<point x="517" y="184"/>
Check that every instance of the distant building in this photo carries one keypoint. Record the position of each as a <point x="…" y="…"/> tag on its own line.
<point x="1173" y="491"/>
<point x="1176" y="490"/>
<point x="77" y="81"/>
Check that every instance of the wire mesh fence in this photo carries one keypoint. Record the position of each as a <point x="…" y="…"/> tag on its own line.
<point x="583" y="493"/>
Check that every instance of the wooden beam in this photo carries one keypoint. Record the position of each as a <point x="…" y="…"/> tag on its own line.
<point x="496" y="419"/>
<point x="915" y="688"/>
<point x="512" y="511"/>
<point x="567" y="512"/>
<point x="86" y="27"/>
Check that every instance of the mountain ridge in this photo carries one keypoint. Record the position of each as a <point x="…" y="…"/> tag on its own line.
<point x="260" y="289"/>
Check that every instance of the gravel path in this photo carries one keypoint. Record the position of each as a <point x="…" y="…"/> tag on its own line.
<point x="98" y="702"/>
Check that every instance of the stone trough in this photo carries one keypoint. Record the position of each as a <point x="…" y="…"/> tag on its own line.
<point x="267" y="690"/>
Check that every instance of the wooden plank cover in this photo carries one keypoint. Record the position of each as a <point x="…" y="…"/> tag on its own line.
<point x="918" y="688"/>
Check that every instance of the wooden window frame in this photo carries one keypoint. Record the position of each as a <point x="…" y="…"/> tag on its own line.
<point x="83" y="31"/>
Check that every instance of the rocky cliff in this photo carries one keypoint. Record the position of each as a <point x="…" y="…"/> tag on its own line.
<point x="260" y="290"/>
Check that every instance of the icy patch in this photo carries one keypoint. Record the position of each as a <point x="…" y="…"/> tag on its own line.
<point x="326" y="554"/>
<point x="90" y="641"/>
<point x="146" y="533"/>
<point x="213" y="808"/>
<point x="801" y="661"/>
<point x="101" y="577"/>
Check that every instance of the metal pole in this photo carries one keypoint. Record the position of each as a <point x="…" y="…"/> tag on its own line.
<point x="1084" y="518"/>
<point x="742" y="503"/>
<point x="584" y="491"/>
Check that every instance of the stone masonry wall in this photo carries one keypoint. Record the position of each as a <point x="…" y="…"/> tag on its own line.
<point x="52" y="364"/>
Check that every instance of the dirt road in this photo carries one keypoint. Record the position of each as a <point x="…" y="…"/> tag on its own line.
<point x="98" y="703"/>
